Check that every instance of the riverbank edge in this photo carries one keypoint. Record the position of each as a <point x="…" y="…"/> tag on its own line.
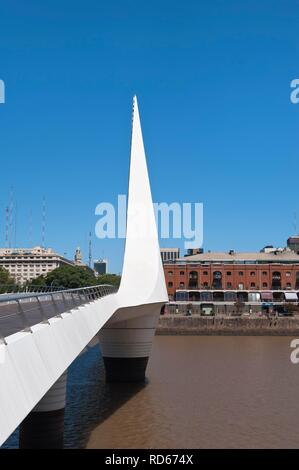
<point x="232" y="326"/>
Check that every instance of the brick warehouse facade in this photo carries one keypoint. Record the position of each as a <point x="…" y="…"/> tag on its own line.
<point x="261" y="271"/>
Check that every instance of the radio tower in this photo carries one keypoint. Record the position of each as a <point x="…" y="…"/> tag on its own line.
<point x="295" y="223"/>
<point x="43" y="222"/>
<point x="10" y="218"/>
<point x="90" y="252"/>
<point x="7" y="226"/>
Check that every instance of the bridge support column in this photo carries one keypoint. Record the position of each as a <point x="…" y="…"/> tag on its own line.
<point x="44" y="426"/>
<point x="126" y="345"/>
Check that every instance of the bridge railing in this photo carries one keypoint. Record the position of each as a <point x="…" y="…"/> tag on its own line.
<point x="21" y="311"/>
<point x="13" y="289"/>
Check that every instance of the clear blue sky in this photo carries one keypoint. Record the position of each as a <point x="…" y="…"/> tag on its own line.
<point x="213" y="82"/>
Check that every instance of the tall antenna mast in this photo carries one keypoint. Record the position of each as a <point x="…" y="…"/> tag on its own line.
<point x="7" y="226"/>
<point x="10" y="216"/>
<point x="43" y="222"/>
<point x="16" y="215"/>
<point x="295" y="223"/>
<point x="90" y="252"/>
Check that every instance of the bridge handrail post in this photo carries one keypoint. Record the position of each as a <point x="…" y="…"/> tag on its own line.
<point x="75" y="303"/>
<point x="80" y="297"/>
<point x="99" y="293"/>
<point x="58" y="314"/>
<point x="42" y="312"/>
<point x="86" y="294"/>
<point x="2" y="339"/>
<point x="64" y="301"/>
<point x="94" y="295"/>
<point x="23" y="317"/>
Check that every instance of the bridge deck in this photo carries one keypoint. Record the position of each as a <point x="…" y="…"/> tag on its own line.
<point x="20" y="312"/>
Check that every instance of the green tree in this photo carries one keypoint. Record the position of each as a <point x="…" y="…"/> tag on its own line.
<point x="113" y="279"/>
<point x="68" y="277"/>
<point x="7" y="283"/>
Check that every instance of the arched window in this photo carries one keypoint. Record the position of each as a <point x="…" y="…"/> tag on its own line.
<point x="205" y="273"/>
<point x="276" y="280"/>
<point x="182" y="273"/>
<point x="170" y="273"/>
<point x="217" y="280"/>
<point x="252" y="273"/>
<point x="297" y="280"/>
<point x="265" y="284"/>
<point x="193" y="279"/>
<point x="252" y="284"/>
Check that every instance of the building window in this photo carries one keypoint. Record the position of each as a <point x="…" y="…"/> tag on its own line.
<point x="252" y="284"/>
<point x="206" y="285"/>
<point x="205" y="273"/>
<point x="229" y="285"/>
<point x="193" y="279"/>
<point x="265" y="284"/>
<point x="276" y="280"/>
<point x="264" y="273"/>
<point x="252" y="273"/>
<point x="297" y="280"/>
<point x="170" y="284"/>
<point x="182" y="284"/>
<point x="182" y="273"/>
<point x="228" y="273"/>
<point x="217" y="280"/>
<point x="170" y="273"/>
<point x="288" y="274"/>
<point x="288" y="285"/>
<point x="241" y="273"/>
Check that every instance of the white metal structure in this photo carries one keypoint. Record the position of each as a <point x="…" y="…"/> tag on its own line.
<point x="32" y="362"/>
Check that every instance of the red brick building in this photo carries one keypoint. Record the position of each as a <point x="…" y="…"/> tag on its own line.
<point x="262" y="271"/>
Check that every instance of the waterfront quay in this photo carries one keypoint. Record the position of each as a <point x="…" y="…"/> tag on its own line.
<point x="183" y="318"/>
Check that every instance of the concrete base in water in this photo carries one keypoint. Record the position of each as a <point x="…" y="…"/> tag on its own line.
<point x="42" y="430"/>
<point x="43" y="427"/>
<point x="125" y="369"/>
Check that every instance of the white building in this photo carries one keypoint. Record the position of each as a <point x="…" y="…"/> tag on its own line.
<point x="25" y="264"/>
<point x="169" y="254"/>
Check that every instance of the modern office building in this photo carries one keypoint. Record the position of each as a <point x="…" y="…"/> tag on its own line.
<point x="169" y="254"/>
<point x="25" y="264"/>
<point x="100" y="266"/>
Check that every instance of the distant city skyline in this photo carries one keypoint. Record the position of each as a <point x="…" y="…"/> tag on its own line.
<point x="213" y="82"/>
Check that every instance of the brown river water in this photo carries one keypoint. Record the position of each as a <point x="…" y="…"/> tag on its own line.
<point x="210" y="392"/>
<point x="201" y="392"/>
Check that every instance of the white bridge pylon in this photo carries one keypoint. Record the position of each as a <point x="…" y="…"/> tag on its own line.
<point x="32" y="362"/>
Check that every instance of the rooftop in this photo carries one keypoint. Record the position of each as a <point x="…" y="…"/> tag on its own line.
<point x="277" y="256"/>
